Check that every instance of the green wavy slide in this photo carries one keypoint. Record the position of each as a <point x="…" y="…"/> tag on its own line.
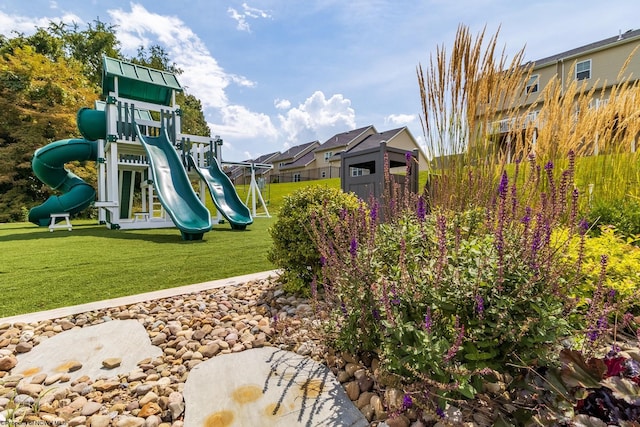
<point x="173" y="187"/>
<point x="224" y="194"/>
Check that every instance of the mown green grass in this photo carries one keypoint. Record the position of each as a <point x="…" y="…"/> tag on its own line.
<point x="40" y="270"/>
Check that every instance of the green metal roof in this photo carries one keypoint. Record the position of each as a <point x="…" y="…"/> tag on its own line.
<point x="138" y="82"/>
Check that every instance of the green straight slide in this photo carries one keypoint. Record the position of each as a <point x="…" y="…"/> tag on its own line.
<point x="173" y="187"/>
<point x="224" y="194"/>
<point x="48" y="165"/>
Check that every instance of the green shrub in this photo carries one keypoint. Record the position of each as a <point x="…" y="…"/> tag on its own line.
<point x="623" y="214"/>
<point x="293" y="249"/>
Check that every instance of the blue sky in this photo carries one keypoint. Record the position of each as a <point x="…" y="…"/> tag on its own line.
<point x="276" y="73"/>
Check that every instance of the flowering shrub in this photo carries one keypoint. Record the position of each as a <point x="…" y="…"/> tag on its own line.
<point x="450" y="296"/>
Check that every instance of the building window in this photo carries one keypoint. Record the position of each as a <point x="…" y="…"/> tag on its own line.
<point x="357" y="171"/>
<point x="583" y="70"/>
<point x="281" y="164"/>
<point x="532" y="84"/>
<point x="327" y="156"/>
<point x="296" y="177"/>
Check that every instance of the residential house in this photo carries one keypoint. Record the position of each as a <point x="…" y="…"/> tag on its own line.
<point x="597" y="65"/>
<point x="327" y="159"/>
<point x="242" y="174"/>
<point x="290" y="165"/>
<point x="313" y="160"/>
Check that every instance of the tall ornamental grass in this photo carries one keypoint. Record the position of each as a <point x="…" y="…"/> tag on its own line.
<point x="467" y="92"/>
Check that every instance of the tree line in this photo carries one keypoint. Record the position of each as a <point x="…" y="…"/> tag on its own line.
<point x="45" y="78"/>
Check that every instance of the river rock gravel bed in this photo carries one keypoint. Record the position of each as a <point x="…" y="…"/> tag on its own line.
<point x="189" y="329"/>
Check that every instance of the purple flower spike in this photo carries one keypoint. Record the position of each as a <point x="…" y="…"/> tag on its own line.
<point x="427" y="321"/>
<point x="407" y="402"/>
<point x="353" y="248"/>
<point x="504" y="185"/>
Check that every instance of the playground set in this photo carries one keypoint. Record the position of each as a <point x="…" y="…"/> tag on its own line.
<point x="136" y="152"/>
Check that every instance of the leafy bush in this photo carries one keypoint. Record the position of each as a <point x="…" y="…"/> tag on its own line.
<point x="293" y="249"/>
<point x="623" y="214"/>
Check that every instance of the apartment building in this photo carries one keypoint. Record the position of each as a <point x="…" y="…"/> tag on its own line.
<point x="596" y="67"/>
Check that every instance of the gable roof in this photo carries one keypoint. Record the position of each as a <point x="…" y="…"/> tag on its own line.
<point x="302" y="161"/>
<point x="292" y="153"/>
<point x="374" y="140"/>
<point x="619" y="39"/>
<point x="265" y="158"/>
<point x="343" y="139"/>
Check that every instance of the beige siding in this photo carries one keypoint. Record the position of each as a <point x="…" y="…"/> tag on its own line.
<point x="405" y="141"/>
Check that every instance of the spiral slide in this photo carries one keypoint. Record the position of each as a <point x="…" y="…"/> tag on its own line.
<point x="48" y="165"/>
<point x="224" y="195"/>
<point x="174" y="189"/>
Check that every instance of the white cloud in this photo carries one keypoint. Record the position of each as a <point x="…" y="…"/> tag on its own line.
<point x="240" y="122"/>
<point x="202" y="76"/>
<point x="317" y="118"/>
<point x="282" y="104"/>
<point x="247" y="12"/>
<point x="11" y="24"/>
<point x="400" y="119"/>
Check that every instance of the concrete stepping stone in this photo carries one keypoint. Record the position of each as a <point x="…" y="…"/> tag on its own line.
<point x="79" y="352"/>
<point x="266" y="387"/>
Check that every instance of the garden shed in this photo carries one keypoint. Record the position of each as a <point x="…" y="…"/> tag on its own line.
<point x="362" y="169"/>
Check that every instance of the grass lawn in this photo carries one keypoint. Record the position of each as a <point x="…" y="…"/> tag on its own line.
<point x="40" y="270"/>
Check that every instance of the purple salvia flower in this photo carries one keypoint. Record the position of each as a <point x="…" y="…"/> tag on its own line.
<point x="422" y="209"/>
<point x="583" y="226"/>
<point x="549" y="166"/>
<point x="480" y="305"/>
<point x="343" y="308"/>
<point x="440" y="412"/>
<point x="427" y="321"/>
<point x="504" y="185"/>
<point x="395" y="300"/>
<point x="353" y="248"/>
<point x="407" y="402"/>
<point x="373" y="214"/>
<point x="376" y="314"/>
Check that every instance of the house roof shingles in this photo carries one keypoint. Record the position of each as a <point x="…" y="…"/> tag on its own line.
<point x="293" y="152"/>
<point x="302" y="161"/>
<point x="343" y="139"/>
<point x="588" y="47"/>
<point x="374" y="140"/>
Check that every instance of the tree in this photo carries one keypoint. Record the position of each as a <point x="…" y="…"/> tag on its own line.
<point x="39" y="98"/>
<point x="88" y="46"/>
